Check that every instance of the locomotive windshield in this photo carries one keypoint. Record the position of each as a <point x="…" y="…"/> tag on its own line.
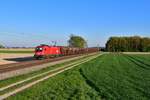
<point x="39" y="49"/>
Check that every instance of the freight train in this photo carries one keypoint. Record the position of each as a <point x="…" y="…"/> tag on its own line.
<point x="46" y="51"/>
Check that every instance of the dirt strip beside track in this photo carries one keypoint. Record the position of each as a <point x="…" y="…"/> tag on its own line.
<point x="10" y="58"/>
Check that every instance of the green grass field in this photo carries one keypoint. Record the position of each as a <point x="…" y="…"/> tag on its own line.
<point x="16" y="50"/>
<point x="108" y="77"/>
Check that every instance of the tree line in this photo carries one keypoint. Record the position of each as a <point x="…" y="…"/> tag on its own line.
<point x="128" y="44"/>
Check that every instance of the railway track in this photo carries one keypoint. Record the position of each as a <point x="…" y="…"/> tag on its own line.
<point x="11" y="70"/>
<point x="43" y="76"/>
<point x="16" y="66"/>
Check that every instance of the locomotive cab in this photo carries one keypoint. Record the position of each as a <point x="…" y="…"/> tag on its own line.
<point x="39" y="52"/>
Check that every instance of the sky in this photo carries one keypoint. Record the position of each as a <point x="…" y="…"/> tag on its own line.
<point x="33" y="22"/>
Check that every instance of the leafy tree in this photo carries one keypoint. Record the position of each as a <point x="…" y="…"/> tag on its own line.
<point x="77" y="41"/>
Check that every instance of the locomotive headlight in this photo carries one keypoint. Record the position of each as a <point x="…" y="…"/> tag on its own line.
<point x="40" y="49"/>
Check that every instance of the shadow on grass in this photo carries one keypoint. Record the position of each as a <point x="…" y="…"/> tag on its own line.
<point x="20" y="59"/>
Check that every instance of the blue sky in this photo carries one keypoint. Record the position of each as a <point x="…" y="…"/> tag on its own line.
<point x="33" y="22"/>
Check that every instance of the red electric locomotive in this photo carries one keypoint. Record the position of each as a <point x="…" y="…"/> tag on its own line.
<point x="45" y="51"/>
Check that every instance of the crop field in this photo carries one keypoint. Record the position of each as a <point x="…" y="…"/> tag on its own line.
<point x="108" y="77"/>
<point x="16" y="50"/>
